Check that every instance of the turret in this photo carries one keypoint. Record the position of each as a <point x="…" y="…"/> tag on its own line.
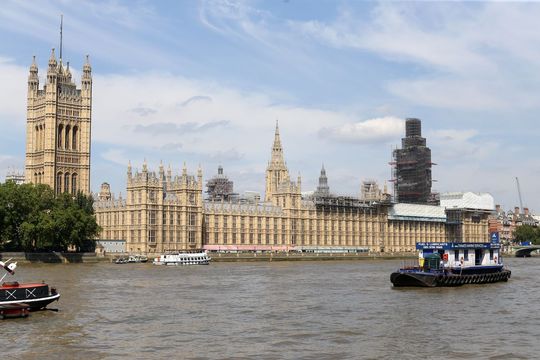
<point x="33" y="78"/>
<point x="199" y="177"/>
<point x="323" y="189"/>
<point x="68" y="74"/>
<point x="52" y="73"/>
<point x="86" y="79"/>
<point x="53" y="64"/>
<point x="161" y="171"/>
<point x="129" y="174"/>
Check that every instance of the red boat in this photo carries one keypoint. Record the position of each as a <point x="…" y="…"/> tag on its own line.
<point x="17" y="300"/>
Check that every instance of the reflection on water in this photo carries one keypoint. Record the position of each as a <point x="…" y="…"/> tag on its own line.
<point x="292" y="310"/>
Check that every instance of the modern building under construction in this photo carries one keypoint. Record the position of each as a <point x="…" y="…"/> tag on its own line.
<point x="412" y="167"/>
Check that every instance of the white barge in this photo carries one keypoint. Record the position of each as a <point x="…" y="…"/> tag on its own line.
<point x="183" y="258"/>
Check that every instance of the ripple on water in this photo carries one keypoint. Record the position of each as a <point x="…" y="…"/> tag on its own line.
<point x="304" y="310"/>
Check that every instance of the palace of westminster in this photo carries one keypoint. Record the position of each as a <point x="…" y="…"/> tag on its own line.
<point x="163" y="211"/>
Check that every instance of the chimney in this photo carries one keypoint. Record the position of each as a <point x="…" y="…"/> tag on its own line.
<point x="516" y="210"/>
<point x="526" y="211"/>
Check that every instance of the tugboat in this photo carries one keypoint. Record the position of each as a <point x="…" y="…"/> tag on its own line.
<point x="17" y="300"/>
<point x="453" y="264"/>
<point x="183" y="258"/>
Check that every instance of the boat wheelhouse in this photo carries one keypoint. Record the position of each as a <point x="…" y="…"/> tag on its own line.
<point x="453" y="264"/>
<point x="183" y="258"/>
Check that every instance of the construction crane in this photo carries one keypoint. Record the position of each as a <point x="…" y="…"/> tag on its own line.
<point x="519" y="193"/>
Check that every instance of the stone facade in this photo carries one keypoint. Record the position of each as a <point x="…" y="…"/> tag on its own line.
<point x="165" y="213"/>
<point x="58" y="128"/>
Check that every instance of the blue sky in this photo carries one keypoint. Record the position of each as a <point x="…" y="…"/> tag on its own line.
<point x="204" y="82"/>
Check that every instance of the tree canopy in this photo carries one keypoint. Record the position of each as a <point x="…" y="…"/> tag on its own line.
<point x="32" y="218"/>
<point x="527" y="233"/>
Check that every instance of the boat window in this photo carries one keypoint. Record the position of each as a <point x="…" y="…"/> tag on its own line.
<point x="456" y="255"/>
<point x="432" y="262"/>
<point x="490" y="254"/>
<point x="466" y="254"/>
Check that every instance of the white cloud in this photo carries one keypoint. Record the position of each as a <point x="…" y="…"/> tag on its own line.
<point x="12" y="86"/>
<point x="365" y="132"/>
<point x="472" y="57"/>
<point x="461" y="146"/>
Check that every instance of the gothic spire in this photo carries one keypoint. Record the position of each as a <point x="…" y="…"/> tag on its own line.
<point x="33" y="70"/>
<point x="52" y="61"/>
<point x="277" y="150"/>
<point x="323" y="189"/>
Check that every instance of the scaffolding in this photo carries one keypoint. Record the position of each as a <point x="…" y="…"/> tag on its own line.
<point x="220" y="188"/>
<point x="411" y="167"/>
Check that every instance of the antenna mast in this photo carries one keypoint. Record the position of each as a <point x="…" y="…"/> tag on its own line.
<point x="519" y="193"/>
<point x="61" y="25"/>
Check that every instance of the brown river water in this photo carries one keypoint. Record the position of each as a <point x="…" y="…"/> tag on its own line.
<point x="279" y="310"/>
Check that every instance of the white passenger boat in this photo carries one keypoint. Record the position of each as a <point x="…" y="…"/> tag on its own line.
<point x="183" y="258"/>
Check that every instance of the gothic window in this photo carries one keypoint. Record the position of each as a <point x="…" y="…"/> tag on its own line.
<point x="66" y="145"/>
<point x="58" y="183"/>
<point x="60" y="135"/>
<point x="74" y="142"/>
<point x="191" y="238"/>
<point x="74" y="184"/>
<point x="66" y="182"/>
<point x="37" y="135"/>
<point x="36" y="178"/>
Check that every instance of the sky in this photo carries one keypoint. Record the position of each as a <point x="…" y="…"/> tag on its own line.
<point x="203" y="82"/>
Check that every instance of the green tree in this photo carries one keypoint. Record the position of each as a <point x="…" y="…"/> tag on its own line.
<point x="33" y="219"/>
<point x="527" y="233"/>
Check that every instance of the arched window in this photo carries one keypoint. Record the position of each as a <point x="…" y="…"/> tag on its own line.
<point x="60" y="135"/>
<point x="67" y="137"/>
<point x="36" y="139"/>
<point x="74" y="142"/>
<point x="36" y="178"/>
<point x="40" y="139"/>
<point x="58" y="183"/>
<point x="66" y="182"/>
<point x="74" y="184"/>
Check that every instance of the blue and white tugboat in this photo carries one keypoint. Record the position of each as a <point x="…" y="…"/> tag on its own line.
<point x="453" y="264"/>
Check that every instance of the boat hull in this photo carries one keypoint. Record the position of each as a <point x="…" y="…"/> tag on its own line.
<point x="424" y="279"/>
<point x="28" y="296"/>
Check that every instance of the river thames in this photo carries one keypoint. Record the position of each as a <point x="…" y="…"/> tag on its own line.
<point x="280" y="310"/>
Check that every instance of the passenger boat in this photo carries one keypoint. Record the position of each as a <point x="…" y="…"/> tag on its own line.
<point x="121" y="260"/>
<point x="137" y="259"/>
<point x="183" y="258"/>
<point x="453" y="264"/>
<point x="17" y="299"/>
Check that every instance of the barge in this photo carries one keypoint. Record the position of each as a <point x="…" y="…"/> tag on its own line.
<point x="453" y="264"/>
